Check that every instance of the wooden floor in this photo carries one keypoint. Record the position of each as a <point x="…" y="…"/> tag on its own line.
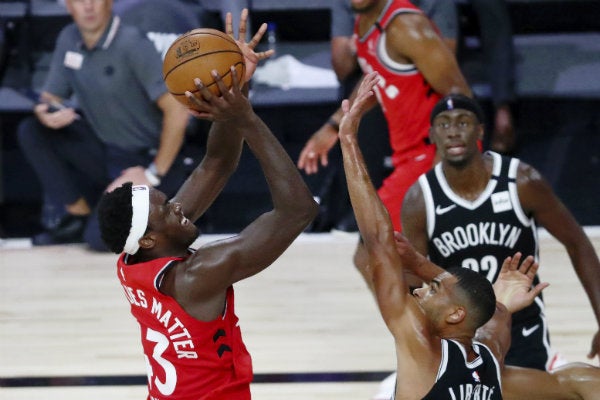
<point x="63" y="314"/>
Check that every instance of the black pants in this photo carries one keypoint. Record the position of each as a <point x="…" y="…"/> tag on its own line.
<point x="72" y="162"/>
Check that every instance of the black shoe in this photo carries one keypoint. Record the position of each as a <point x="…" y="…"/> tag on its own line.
<point x="68" y="230"/>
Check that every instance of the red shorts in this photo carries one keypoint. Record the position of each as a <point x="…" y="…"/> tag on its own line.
<point x="406" y="172"/>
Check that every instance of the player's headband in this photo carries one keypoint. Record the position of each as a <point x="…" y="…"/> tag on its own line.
<point x="140" y="202"/>
<point x="457" y="101"/>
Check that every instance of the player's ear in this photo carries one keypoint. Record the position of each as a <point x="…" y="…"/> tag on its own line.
<point x="456" y="315"/>
<point x="148" y="241"/>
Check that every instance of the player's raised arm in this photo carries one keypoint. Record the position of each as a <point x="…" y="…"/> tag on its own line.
<point x="224" y="144"/>
<point x="216" y="266"/>
<point x="372" y="217"/>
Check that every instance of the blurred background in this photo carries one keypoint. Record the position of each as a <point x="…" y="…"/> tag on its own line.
<point x="556" y="109"/>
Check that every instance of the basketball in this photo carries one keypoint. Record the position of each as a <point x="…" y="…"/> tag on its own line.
<point x="194" y="55"/>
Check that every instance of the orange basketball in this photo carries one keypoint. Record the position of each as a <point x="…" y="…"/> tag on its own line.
<point x="194" y="55"/>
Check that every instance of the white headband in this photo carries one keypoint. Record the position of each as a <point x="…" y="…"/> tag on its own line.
<point x="140" y="202"/>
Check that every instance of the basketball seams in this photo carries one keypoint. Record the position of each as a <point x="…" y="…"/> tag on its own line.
<point x="210" y="84"/>
<point x="200" y="56"/>
<point x="203" y="31"/>
<point x="197" y="53"/>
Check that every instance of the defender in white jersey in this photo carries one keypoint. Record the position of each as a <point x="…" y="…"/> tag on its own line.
<point x="473" y="210"/>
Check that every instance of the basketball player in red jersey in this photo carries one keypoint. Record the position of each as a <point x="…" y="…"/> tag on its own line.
<point x="416" y="67"/>
<point x="184" y="299"/>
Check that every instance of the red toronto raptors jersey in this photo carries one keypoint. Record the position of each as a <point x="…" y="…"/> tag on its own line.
<point x="186" y="358"/>
<point x="405" y="96"/>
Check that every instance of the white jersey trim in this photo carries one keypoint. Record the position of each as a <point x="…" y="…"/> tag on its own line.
<point x="484" y="196"/>
<point x="429" y="205"/>
<point x="161" y="274"/>
<point x="384" y="57"/>
<point x="470" y="364"/>
<point x="542" y="317"/>
<point x="534" y="229"/>
<point x="514" y="193"/>
<point x="387" y="61"/>
<point x="498" y="373"/>
<point x="444" y="361"/>
<point x="363" y="38"/>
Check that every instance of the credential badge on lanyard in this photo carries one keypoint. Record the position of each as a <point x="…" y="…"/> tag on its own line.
<point x="73" y="60"/>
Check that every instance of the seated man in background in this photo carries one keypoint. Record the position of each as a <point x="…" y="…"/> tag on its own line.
<point x="162" y="21"/>
<point x="130" y="128"/>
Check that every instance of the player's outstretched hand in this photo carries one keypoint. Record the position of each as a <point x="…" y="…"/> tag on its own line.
<point x="231" y="105"/>
<point x="316" y="150"/>
<point x="251" y="57"/>
<point x="362" y="103"/>
<point x="513" y="287"/>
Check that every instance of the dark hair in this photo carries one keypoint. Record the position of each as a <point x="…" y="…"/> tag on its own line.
<point x="114" y="216"/>
<point x="454" y="101"/>
<point x="479" y="293"/>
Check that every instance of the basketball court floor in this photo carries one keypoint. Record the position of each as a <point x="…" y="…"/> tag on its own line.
<point x="309" y="322"/>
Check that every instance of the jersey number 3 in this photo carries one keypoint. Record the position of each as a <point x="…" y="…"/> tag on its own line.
<point x="162" y="342"/>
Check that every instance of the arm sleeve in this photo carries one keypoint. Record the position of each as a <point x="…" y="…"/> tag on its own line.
<point x="57" y="82"/>
<point x="146" y="63"/>
<point x="342" y="19"/>
<point x="443" y="14"/>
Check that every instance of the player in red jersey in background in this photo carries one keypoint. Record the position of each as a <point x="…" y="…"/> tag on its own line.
<point x="416" y="67"/>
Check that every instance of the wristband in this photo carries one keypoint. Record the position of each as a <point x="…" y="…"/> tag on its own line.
<point x="333" y="124"/>
<point x="152" y="175"/>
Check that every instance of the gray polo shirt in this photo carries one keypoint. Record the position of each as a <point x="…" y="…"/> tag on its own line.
<point x="116" y="83"/>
